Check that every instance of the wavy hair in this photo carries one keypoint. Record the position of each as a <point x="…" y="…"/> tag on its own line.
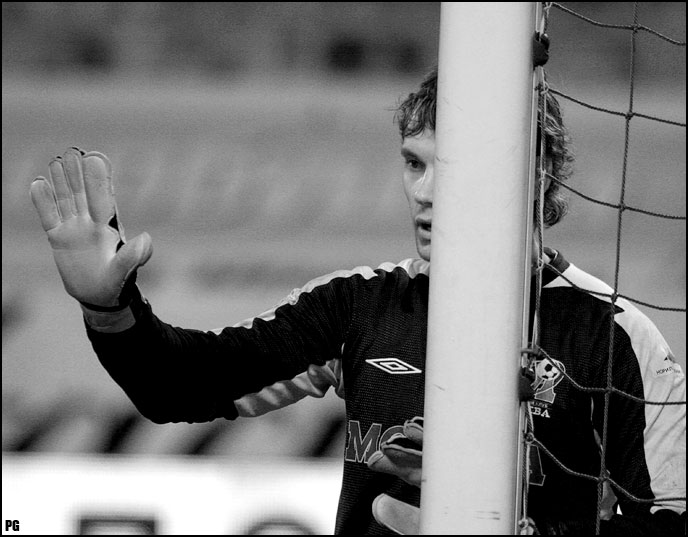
<point x="418" y="112"/>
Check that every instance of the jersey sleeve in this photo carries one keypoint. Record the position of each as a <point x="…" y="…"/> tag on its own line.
<point x="172" y="374"/>
<point x="646" y="438"/>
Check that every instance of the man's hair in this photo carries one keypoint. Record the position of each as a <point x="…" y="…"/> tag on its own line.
<point x="418" y="111"/>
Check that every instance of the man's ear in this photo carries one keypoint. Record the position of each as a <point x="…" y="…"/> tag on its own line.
<point x="548" y="176"/>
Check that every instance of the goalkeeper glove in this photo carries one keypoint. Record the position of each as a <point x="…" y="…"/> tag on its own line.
<point x="78" y="212"/>
<point x="402" y="456"/>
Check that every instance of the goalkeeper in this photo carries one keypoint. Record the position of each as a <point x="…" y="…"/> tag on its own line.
<point x="356" y="329"/>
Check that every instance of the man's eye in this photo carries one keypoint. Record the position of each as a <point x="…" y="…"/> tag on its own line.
<point x="413" y="164"/>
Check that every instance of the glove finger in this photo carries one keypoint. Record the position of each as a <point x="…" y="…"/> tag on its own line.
<point x="413" y="430"/>
<point x="63" y="194"/>
<point x="132" y="255"/>
<point x="97" y="174"/>
<point x="336" y="365"/>
<point x="71" y="163"/>
<point x="379" y="462"/>
<point x="396" y="515"/>
<point x="402" y="455"/>
<point x="401" y="442"/>
<point x="43" y="199"/>
<point x="322" y="377"/>
<point x="408" y="468"/>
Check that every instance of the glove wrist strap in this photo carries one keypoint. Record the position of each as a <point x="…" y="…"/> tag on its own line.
<point x="129" y="291"/>
<point x="116" y="318"/>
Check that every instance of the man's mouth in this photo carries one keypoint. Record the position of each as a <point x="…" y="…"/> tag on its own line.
<point x="424" y="228"/>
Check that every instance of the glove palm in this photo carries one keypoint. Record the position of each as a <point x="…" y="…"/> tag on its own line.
<point x="78" y="212"/>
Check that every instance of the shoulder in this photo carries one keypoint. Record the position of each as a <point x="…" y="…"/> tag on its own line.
<point x="385" y="273"/>
<point x="644" y="337"/>
<point x="405" y="269"/>
<point x="338" y="288"/>
<point x="411" y="268"/>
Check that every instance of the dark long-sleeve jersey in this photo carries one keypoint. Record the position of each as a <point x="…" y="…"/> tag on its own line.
<point x="364" y="331"/>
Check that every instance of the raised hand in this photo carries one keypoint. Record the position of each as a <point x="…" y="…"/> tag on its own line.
<point x="78" y="212"/>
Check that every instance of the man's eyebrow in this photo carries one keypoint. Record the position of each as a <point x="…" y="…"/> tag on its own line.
<point x="407" y="153"/>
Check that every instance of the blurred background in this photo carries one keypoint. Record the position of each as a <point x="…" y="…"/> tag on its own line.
<point x="255" y="143"/>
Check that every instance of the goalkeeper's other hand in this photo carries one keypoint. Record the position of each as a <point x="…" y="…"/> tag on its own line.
<point x="78" y="212"/>
<point x="401" y="455"/>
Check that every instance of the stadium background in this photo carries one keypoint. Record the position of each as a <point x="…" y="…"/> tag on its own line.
<point x="255" y="143"/>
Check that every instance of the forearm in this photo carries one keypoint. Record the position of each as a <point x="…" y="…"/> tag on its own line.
<point x="170" y="374"/>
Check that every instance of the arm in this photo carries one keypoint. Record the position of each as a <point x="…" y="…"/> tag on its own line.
<point x="645" y="442"/>
<point x="175" y="374"/>
<point x="171" y="374"/>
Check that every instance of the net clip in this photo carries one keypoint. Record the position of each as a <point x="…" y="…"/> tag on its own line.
<point x="540" y="49"/>
<point x="525" y="384"/>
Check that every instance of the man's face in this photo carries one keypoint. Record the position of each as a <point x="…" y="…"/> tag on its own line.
<point x="418" y="153"/>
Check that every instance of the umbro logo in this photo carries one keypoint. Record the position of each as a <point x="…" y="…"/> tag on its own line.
<point x="393" y="366"/>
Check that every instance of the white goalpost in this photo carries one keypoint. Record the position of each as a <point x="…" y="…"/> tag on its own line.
<point x="482" y="224"/>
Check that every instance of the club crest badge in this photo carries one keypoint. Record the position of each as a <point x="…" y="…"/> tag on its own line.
<point x="548" y="373"/>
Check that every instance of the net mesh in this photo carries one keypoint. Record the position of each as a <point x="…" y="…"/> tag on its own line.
<point x="534" y="351"/>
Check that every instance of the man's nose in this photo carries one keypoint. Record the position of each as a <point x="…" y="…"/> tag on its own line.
<point x="424" y="187"/>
